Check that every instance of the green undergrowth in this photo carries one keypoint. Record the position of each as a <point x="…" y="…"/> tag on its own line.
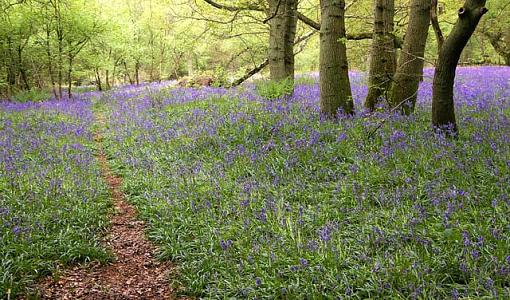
<point x="53" y="201"/>
<point x="264" y="200"/>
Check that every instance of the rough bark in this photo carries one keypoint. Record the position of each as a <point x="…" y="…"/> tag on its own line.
<point x="334" y="72"/>
<point x="282" y="32"/>
<point x="409" y="72"/>
<point x="443" y="110"/>
<point x="383" y="55"/>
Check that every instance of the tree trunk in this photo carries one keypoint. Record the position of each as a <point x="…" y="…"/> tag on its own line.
<point x="98" y="81"/>
<point x="383" y="56"/>
<point x="137" y="73"/>
<point x="11" y="67"/>
<point x="50" y="62"/>
<point x="282" y="31"/>
<point x="70" y="77"/>
<point x="60" y="66"/>
<point x="334" y="71"/>
<point x="21" y="69"/>
<point x="443" y="109"/>
<point x="107" y="79"/>
<point x="126" y="70"/>
<point x="404" y="90"/>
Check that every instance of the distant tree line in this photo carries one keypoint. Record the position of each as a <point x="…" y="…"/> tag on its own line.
<point x="60" y="44"/>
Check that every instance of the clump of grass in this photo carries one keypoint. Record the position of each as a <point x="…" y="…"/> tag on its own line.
<point x="274" y="89"/>
<point x="32" y="95"/>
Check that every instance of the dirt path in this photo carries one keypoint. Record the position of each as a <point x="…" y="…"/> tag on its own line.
<point x="135" y="273"/>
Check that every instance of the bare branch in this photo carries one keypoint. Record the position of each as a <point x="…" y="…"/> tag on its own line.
<point x="233" y="8"/>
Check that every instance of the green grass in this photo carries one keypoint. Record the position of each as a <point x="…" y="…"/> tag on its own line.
<point x="53" y="201"/>
<point x="263" y="200"/>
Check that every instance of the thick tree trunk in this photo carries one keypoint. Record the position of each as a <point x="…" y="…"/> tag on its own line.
<point x="334" y="71"/>
<point x="384" y="55"/>
<point x="282" y="31"/>
<point x="404" y="90"/>
<point x="443" y="110"/>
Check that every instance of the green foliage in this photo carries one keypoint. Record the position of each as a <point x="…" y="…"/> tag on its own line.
<point x="305" y="80"/>
<point x="220" y="77"/>
<point x="274" y="89"/>
<point x="33" y="95"/>
<point x="265" y="200"/>
<point x="53" y="201"/>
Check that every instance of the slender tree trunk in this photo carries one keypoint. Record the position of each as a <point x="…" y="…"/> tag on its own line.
<point x="21" y="69"/>
<point x="137" y="73"/>
<point x="114" y="73"/>
<point x="334" y="71"/>
<point x="50" y="62"/>
<point x="126" y="70"/>
<point x="107" y="79"/>
<point x="98" y="81"/>
<point x="11" y="66"/>
<point x="404" y="90"/>
<point x="70" y="77"/>
<point x="443" y="109"/>
<point x="282" y="31"/>
<point x="60" y="66"/>
<point x="384" y="55"/>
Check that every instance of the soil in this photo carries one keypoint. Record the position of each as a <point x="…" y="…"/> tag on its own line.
<point x="134" y="274"/>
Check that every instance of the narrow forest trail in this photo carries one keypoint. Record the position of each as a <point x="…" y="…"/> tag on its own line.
<point x="134" y="274"/>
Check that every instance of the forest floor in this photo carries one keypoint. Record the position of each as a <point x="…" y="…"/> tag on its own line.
<point x="134" y="274"/>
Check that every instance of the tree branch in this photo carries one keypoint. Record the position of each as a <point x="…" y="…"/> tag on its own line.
<point x="233" y="8"/>
<point x="308" y="21"/>
<point x="435" y="25"/>
<point x="274" y="13"/>
<point x="262" y="65"/>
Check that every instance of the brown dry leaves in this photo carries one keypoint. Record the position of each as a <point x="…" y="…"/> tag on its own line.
<point x="135" y="273"/>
